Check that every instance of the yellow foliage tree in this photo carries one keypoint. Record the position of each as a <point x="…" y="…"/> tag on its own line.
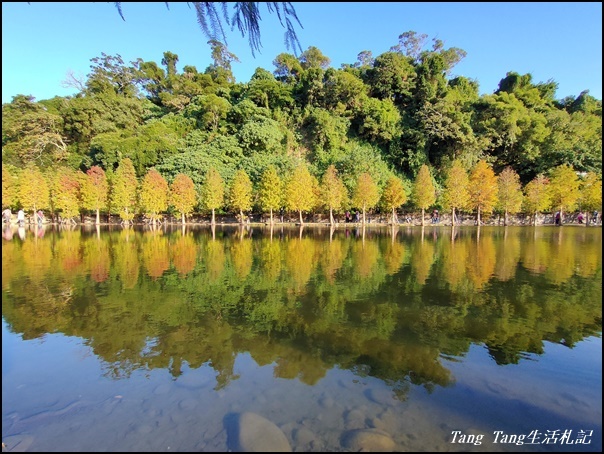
<point x="536" y="196"/>
<point x="456" y="195"/>
<point x="240" y="195"/>
<point x="212" y="192"/>
<point x="366" y="194"/>
<point x="333" y="191"/>
<point x="154" y="195"/>
<point x="509" y="193"/>
<point x="300" y="192"/>
<point x="270" y="191"/>
<point x="393" y="196"/>
<point x="182" y="195"/>
<point x="564" y="188"/>
<point x="424" y="193"/>
<point x="482" y="189"/>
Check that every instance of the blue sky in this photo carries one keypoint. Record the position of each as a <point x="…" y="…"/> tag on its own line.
<point x="42" y="42"/>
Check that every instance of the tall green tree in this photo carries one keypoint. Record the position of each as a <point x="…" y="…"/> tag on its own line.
<point x="212" y="192"/>
<point x="483" y="189"/>
<point x="94" y="191"/>
<point x="270" y="190"/>
<point x="333" y="192"/>
<point x="183" y="196"/>
<point x="424" y="192"/>
<point x="393" y="196"/>
<point x="509" y="193"/>
<point x="366" y="193"/>
<point x="240" y="194"/>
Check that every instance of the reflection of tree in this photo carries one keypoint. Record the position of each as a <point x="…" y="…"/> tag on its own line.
<point x="304" y="318"/>
<point x="214" y="259"/>
<point x="481" y="261"/>
<point x="394" y="256"/>
<point x="96" y="257"/>
<point x="422" y="258"/>
<point x="242" y="257"/>
<point x="365" y="255"/>
<point x="126" y="258"/>
<point x="508" y="255"/>
<point x="270" y="257"/>
<point x="155" y="253"/>
<point x="183" y="252"/>
<point x="299" y="261"/>
<point x="332" y="257"/>
<point x="37" y="257"/>
<point x="67" y="249"/>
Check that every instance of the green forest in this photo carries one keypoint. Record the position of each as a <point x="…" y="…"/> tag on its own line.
<point x="387" y="132"/>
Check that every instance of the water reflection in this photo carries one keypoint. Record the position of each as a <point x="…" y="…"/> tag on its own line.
<point x="385" y="303"/>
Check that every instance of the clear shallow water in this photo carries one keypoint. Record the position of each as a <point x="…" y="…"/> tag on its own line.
<point x="159" y="341"/>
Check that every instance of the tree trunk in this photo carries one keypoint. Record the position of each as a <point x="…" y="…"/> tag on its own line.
<point x="505" y="218"/>
<point x="271" y="217"/>
<point x="182" y="217"/>
<point x="478" y="216"/>
<point x="423" y="214"/>
<point x="453" y="216"/>
<point x="363" y="214"/>
<point x="393" y="216"/>
<point x="213" y="217"/>
<point x="331" y="221"/>
<point x="241" y="217"/>
<point x="301" y="220"/>
<point x="98" y="217"/>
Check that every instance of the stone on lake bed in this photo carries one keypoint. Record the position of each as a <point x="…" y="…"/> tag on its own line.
<point x="250" y="432"/>
<point x="368" y="440"/>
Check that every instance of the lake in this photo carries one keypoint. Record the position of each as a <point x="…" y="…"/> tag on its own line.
<point x="312" y="339"/>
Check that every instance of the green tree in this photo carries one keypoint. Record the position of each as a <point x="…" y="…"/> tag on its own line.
<point x="509" y="193"/>
<point x="183" y="196"/>
<point x="94" y="191"/>
<point x="564" y="188"/>
<point x="456" y="195"/>
<point x="393" y="196"/>
<point x="366" y="193"/>
<point x="124" y="187"/>
<point x="240" y="194"/>
<point x="154" y="194"/>
<point x="482" y="189"/>
<point x="270" y="190"/>
<point x="300" y="192"/>
<point x="212" y="192"/>
<point x="31" y="134"/>
<point x="333" y="192"/>
<point x="424" y="192"/>
<point x="537" y="196"/>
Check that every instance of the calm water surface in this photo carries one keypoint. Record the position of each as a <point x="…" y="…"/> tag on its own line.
<point x="309" y="340"/>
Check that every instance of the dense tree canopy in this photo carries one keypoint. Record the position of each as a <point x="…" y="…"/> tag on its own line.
<point x="387" y="116"/>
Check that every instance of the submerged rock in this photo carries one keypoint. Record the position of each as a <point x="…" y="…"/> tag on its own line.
<point x="250" y="432"/>
<point x="367" y="440"/>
